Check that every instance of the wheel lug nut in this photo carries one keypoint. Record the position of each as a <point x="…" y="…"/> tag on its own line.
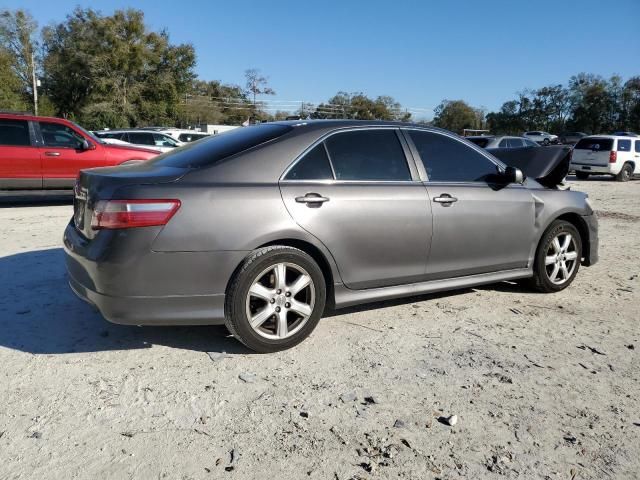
<point x="278" y="309"/>
<point x="287" y="305"/>
<point x="288" y="294"/>
<point x="278" y="291"/>
<point x="273" y="300"/>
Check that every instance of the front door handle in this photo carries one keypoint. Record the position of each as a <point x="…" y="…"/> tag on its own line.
<point x="445" y="199"/>
<point x="312" y="199"/>
<point x="52" y="154"/>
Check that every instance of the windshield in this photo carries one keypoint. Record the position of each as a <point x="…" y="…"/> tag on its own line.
<point x="88" y="134"/>
<point x="212" y="150"/>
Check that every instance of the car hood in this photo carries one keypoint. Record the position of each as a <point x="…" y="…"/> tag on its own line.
<point x="548" y="165"/>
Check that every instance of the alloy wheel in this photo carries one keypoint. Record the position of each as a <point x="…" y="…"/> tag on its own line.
<point x="561" y="258"/>
<point x="280" y="301"/>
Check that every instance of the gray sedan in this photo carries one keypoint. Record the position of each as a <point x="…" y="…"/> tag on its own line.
<point x="264" y="227"/>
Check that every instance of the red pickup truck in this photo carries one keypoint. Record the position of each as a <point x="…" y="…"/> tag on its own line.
<point x="47" y="153"/>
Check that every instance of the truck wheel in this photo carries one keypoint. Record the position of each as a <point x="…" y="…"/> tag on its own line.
<point x="626" y="173"/>
<point x="582" y="175"/>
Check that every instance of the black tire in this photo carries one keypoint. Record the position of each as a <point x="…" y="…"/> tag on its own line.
<point x="582" y="175"/>
<point x="236" y="318"/>
<point x="626" y="173"/>
<point x="541" y="279"/>
<point x="545" y="141"/>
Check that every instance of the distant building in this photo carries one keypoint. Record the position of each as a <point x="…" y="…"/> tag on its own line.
<point x="214" y="129"/>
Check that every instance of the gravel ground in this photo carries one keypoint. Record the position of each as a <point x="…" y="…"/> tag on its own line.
<point x="543" y="386"/>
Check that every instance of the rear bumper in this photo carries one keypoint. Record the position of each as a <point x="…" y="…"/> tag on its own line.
<point x="591" y="254"/>
<point x="177" y="310"/>
<point x="608" y="169"/>
<point x="121" y="276"/>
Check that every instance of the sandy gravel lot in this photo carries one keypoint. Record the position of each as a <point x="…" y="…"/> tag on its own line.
<point x="544" y="386"/>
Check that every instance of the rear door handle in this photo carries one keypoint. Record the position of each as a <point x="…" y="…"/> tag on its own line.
<point x="312" y="199"/>
<point x="445" y="199"/>
<point x="52" y="154"/>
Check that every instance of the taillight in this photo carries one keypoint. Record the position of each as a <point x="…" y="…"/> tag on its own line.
<point x="110" y="214"/>
<point x="613" y="156"/>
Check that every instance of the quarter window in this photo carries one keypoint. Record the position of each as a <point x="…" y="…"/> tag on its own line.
<point x="61" y="136"/>
<point x="624" y="145"/>
<point x="368" y="155"/>
<point x="448" y="160"/>
<point x="14" y="133"/>
<point x="637" y="146"/>
<point x="313" y="166"/>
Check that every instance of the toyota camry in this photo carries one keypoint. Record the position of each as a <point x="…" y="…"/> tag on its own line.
<point x="264" y="227"/>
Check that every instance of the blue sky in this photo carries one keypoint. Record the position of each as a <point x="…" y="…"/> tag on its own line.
<point x="419" y="52"/>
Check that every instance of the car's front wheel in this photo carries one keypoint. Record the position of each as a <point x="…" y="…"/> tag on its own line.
<point x="557" y="258"/>
<point x="275" y="299"/>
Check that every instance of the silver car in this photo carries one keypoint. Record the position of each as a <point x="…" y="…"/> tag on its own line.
<point x="501" y="141"/>
<point x="264" y="227"/>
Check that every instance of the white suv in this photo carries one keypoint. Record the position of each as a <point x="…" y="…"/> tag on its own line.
<point x="541" y="137"/>
<point x="607" y="154"/>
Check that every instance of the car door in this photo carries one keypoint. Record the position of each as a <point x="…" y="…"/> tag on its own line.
<point x="478" y="226"/>
<point x="63" y="156"/>
<point x="19" y="156"/>
<point x="360" y="195"/>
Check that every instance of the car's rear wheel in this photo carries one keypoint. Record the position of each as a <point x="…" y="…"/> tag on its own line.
<point x="626" y="173"/>
<point x="545" y="141"/>
<point x="582" y="175"/>
<point x="275" y="299"/>
<point x="557" y="258"/>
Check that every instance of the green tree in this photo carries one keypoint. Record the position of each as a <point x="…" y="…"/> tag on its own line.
<point x="360" y="107"/>
<point x="18" y="45"/>
<point x="111" y="71"/>
<point x="456" y="115"/>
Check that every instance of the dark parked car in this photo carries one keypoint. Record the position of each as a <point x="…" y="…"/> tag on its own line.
<point x="571" y="138"/>
<point x="262" y="227"/>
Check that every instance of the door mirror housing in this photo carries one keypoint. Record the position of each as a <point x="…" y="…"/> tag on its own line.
<point x="85" y="145"/>
<point x="514" y="175"/>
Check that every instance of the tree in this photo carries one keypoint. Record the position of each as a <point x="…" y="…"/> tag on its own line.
<point x="256" y="84"/>
<point x="18" y="44"/>
<point x="110" y="71"/>
<point x="360" y="107"/>
<point x="456" y="115"/>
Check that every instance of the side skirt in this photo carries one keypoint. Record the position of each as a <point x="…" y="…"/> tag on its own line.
<point x="346" y="297"/>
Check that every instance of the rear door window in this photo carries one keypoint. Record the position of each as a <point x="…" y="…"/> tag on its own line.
<point x="374" y="155"/>
<point x="515" y="143"/>
<point x="14" y="133"/>
<point x="595" y="144"/>
<point x="448" y="160"/>
<point x="624" y="145"/>
<point x="313" y="166"/>
<point x="504" y="143"/>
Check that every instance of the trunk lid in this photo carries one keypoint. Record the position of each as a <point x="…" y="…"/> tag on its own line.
<point x="593" y="151"/>
<point x="548" y="165"/>
<point x="101" y="183"/>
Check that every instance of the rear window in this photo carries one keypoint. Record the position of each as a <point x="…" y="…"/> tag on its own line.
<point x="481" y="142"/>
<point x="638" y="146"/>
<point x="216" y="148"/>
<point x="624" y="145"/>
<point x="14" y="133"/>
<point x="595" y="144"/>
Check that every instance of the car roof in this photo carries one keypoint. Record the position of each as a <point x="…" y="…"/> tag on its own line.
<point x="33" y="118"/>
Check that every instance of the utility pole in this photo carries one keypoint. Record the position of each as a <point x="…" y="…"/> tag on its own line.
<point x="34" y="81"/>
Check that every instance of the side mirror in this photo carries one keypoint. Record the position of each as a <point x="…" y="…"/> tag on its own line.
<point x="85" y="145"/>
<point x="514" y="175"/>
